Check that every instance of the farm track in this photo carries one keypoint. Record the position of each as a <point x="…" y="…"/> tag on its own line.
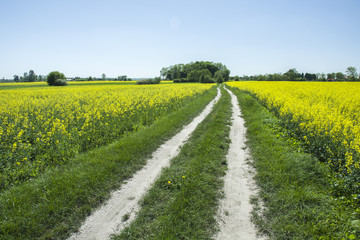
<point x="235" y="209"/>
<point x="123" y="204"/>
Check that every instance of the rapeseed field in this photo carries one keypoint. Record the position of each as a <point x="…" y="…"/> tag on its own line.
<point x="325" y="115"/>
<point x="43" y="127"/>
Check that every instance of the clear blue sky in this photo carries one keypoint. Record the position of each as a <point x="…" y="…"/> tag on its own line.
<point x="138" y="37"/>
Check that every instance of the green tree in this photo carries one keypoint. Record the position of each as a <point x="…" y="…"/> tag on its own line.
<point x="292" y="74"/>
<point x="340" y="76"/>
<point x="237" y="78"/>
<point x="103" y="76"/>
<point x="122" y="78"/>
<point x="219" y="78"/>
<point x="53" y="76"/>
<point x="226" y="74"/>
<point x="331" y="76"/>
<point x="310" y="77"/>
<point x="26" y="77"/>
<point x="206" y="72"/>
<point x="32" y="77"/>
<point x="206" y="79"/>
<point x="194" y="76"/>
<point x="352" y="73"/>
<point x="16" y="78"/>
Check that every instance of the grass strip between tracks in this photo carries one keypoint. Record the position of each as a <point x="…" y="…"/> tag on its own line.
<point x="183" y="202"/>
<point x="55" y="204"/>
<point x="294" y="185"/>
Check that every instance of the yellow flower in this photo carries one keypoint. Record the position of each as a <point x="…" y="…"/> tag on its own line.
<point x="169" y="182"/>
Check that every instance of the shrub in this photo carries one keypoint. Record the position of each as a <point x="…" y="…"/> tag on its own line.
<point x="206" y="79"/>
<point x="156" y="80"/>
<point x="53" y="76"/>
<point x="60" y="82"/>
<point x="180" y="80"/>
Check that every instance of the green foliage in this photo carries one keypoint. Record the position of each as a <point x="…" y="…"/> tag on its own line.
<point x="16" y="78"/>
<point x="236" y="78"/>
<point x="219" y="77"/>
<point x="181" y="80"/>
<point x="53" y="76"/>
<point x="31" y="76"/>
<point x="292" y="74"/>
<point x="183" y="70"/>
<point x="352" y="73"/>
<point x="156" y="80"/>
<point x="194" y="76"/>
<point x="310" y="77"/>
<point x="60" y="82"/>
<point x="206" y="79"/>
<point x="123" y="78"/>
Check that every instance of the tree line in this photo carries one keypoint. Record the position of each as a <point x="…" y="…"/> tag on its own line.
<point x="29" y="77"/>
<point x="199" y="71"/>
<point x="351" y="74"/>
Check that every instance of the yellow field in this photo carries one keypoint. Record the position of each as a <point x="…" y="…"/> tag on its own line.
<point x="43" y="126"/>
<point x="325" y="115"/>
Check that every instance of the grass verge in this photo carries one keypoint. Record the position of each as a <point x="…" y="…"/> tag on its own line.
<point x="54" y="205"/>
<point x="294" y="185"/>
<point x="183" y="202"/>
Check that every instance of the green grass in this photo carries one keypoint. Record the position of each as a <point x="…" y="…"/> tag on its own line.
<point x="53" y="205"/>
<point x="183" y="202"/>
<point x="294" y="186"/>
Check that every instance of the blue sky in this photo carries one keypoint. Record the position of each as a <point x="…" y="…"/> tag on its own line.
<point x="137" y="38"/>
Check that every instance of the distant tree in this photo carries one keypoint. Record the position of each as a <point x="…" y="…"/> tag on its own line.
<point x="226" y="74"/>
<point x="352" y="73"/>
<point x="322" y="77"/>
<point x="310" y="77"/>
<point x="194" y="76"/>
<point x="40" y="77"/>
<point x="163" y="73"/>
<point x="340" y="76"/>
<point x="261" y="78"/>
<point x="331" y="76"/>
<point x="293" y="74"/>
<point x="183" y="70"/>
<point x="32" y="76"/>
<point x="16" y="78"/>
<point x="219" y="78"/>
<point x="90" y="78"/>
<point x="53" y="76"/>
<point x="236" y="78"/>
<point x="103" y="76"/>
<point x="26" y="77"/>
<point x="123" y="78"/>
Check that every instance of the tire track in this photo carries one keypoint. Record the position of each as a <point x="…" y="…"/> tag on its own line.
<point x="121" y="208"/>
<point x="235" y="209"/>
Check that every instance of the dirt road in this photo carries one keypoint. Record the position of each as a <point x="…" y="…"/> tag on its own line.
<point x="123" y="204"/>
<point x="235" y="209"/>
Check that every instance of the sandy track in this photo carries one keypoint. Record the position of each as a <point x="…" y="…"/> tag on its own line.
<point x="108" y="219"/>
<point x="235" y="209"/>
